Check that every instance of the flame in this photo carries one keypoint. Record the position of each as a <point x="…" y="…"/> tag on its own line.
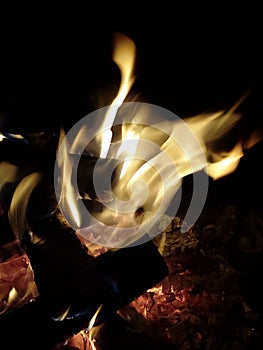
<point x="154" y="154"/>
<point x="227" y="164"/>
<point x="230" y="160"/>
<point x="210" y="128"/>
<point x="10" y="136"/>
<point x="127" y="150"/>
<point x="12" y="296"/>
<point x="2" y="137"/>
<point x="19" y="203"/>
<point x="153" y="182"/>
<point x="124" y="56"/>
<point x="94" y="330"/>
<point x="254" y="138"/>
<point x="68" y="195"/>
<point x="93" y="319"/>
<point x="63" y="315"/>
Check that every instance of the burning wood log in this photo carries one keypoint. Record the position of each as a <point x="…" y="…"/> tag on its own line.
<point x="72" y="284"/>
<point x="208" y="300"/>
<point x="70" y="292"/>
<point x="68" y="285"/>
<point x="59" y="262"/>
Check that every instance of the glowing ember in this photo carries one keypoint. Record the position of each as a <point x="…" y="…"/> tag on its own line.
<point x="17" y="283"/>
<point x="198" y="297"/>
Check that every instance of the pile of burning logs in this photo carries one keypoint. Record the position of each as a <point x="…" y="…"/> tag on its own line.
<point x="193" y="290"/>
<point x="210" y="298"/>
<point x="52" y="287"/>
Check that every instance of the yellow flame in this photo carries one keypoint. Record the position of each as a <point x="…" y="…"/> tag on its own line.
<point x="149" y="177"/>
<point x="93" y="319"/>
<point x="63" y="315"/>
<point x="2" y="137"/>
<point x="124" y="56"/>
<point x="17" y="136"/>
<point x="68" y="195"/>
<point x="62" y="135"/>
<point x="124" y="53"/>
<point x="207" y="128"/>
<point x="12" y="296"/>
<point x="162" y="243"/>
<point x="127" y="150"/>
<point x="254" y="138"/>
<point x="18" y="207"/>
<point x="227" y="164"/>
<point x="93" y="330"/>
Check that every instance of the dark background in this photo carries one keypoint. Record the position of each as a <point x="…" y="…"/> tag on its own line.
<point x="192" y="57"/>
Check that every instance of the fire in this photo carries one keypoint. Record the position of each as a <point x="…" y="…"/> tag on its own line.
<point x="15" y="136"/>
<point x="18" y="207"/>
<point x="154" y="150"/>
<point x="126" y="150"/>
<point x="124" y="56"/>
<point x="94" y="330"/>
<point x="230" y="160"/>
<point x="68" y="196"/>
<point x="12" y="296"/>
<point x="63" y="315"/>
<point x="2" y="137"/>
<point x="227" y="164"/>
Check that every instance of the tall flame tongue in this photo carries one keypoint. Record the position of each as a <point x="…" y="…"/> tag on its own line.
<point x="153" y="152"/>
<point x="124" y="56"/>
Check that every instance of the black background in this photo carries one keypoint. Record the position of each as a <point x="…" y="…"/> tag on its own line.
<point x="56" y="60"/>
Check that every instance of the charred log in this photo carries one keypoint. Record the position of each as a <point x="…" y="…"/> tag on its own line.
<point x="72" y="285"/>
